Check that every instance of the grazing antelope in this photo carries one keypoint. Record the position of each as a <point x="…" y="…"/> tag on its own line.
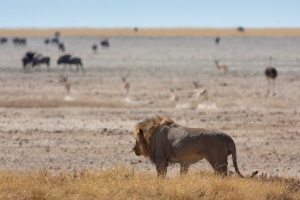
<point x="64" y="79"/>
<point x="126" y="84"/>
<point x="223" y="67"/>
<point x="199" y="91"/>
<point x="37" y="61"/>
<point x="271" y="74"/>
<point x="174" y="98"/>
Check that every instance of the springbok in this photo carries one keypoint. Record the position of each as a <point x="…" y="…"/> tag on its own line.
<point x="271" y="74"/>
<point x="199" y="91"/>
<point x="126" y="84"/>
<point x="174" y="98"/>
<point x="223" y="67"/>
<point x="64" y="79"/>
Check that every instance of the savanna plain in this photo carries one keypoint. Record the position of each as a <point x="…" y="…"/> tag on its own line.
<point x="77" y="145"/>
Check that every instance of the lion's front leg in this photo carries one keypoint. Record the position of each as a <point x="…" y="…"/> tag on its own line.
<point x="184" y="168"/>
<point x="161" y="167"/>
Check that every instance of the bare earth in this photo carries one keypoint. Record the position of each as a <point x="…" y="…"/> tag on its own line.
<point x="92" y="127"/>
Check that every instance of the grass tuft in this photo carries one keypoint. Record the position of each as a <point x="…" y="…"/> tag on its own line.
<point x="124" y="183"/>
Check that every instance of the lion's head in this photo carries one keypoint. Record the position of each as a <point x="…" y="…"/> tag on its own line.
<point x="144" y="134"/>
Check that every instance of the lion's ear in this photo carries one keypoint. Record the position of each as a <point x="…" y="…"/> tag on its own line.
<point x="140" y="132"/>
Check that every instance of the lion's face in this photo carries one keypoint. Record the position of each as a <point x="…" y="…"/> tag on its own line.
<point x="136" y="148"/>
<point x="140" y="147"/>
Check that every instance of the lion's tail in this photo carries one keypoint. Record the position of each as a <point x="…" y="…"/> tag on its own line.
<point x="234" y="158"/>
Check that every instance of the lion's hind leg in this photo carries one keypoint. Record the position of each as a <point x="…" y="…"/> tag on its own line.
<point x="219" y="164"/>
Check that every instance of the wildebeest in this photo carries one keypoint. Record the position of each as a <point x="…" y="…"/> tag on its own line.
<point x="32" y="59"/>
<point x="240" y="29"/>
<point x="46" y="41"/>
<point x="39" y="60"/>
<point x="27" y="60"/>
<point x="104" y="43"/>
<point x="3" y="40"/>
<point x="69" y="60"/>
<point x="55" y="41"/>
<point x="19" y="41"/>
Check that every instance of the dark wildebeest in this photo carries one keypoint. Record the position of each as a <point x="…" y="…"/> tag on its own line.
<point x="46" y="41"/>
<point x="240" y="29"/>
<point x="19" y="41"/>
<point x="271" y="74"/>
<point x="104" y="43"/>
<point x="136" y="29"/>
<point x="61" y="47"/>
<point x="37" y="61"/>
<point x="55" y="41"/>
<point x="69" y="60"/>
<point x="3" y="40"/>
<point x="27" y="60"/>
<point x="94" y="48"/>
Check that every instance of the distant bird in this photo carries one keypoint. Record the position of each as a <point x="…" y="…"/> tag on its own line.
<point x="271" y="74"/>
<point x="199" y="91"/>
<point x="94" y="48"/>
<point x="217" y="40"/>
<point x="126" y="84"/>
<point x="67" y="85"/>
<point x="223" y="67"/>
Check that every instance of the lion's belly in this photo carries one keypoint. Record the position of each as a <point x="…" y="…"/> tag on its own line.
<point x="189" y="159"/>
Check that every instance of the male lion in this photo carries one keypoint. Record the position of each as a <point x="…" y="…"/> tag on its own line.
<point x="165" y="142"/>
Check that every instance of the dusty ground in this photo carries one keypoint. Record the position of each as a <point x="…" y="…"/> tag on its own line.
<point x="95" y="129"/>
<point x="92" y="127"/>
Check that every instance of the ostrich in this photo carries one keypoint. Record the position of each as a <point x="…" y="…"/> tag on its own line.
<point x="199" y="91"/>
<point x="221" y="66"/>
<point x="217" y="40"/>
<point x="94" y="48"/>
<point x="126" y="84"/>
<point x="271" y="74"/>
<point x="64" y="79"/>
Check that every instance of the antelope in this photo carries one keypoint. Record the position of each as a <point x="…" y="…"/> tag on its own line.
<point x="67" y="85"/>
<point x="271" y="74"/>
<point x="126" y="84"/>
<point x="174" y="98"/>
<point x="198" y="91"/>
<point x="221" y="66"/>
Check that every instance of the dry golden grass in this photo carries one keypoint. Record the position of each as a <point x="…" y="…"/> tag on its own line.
<point x="152" y="31"/>
<point x="124" y="183"/>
